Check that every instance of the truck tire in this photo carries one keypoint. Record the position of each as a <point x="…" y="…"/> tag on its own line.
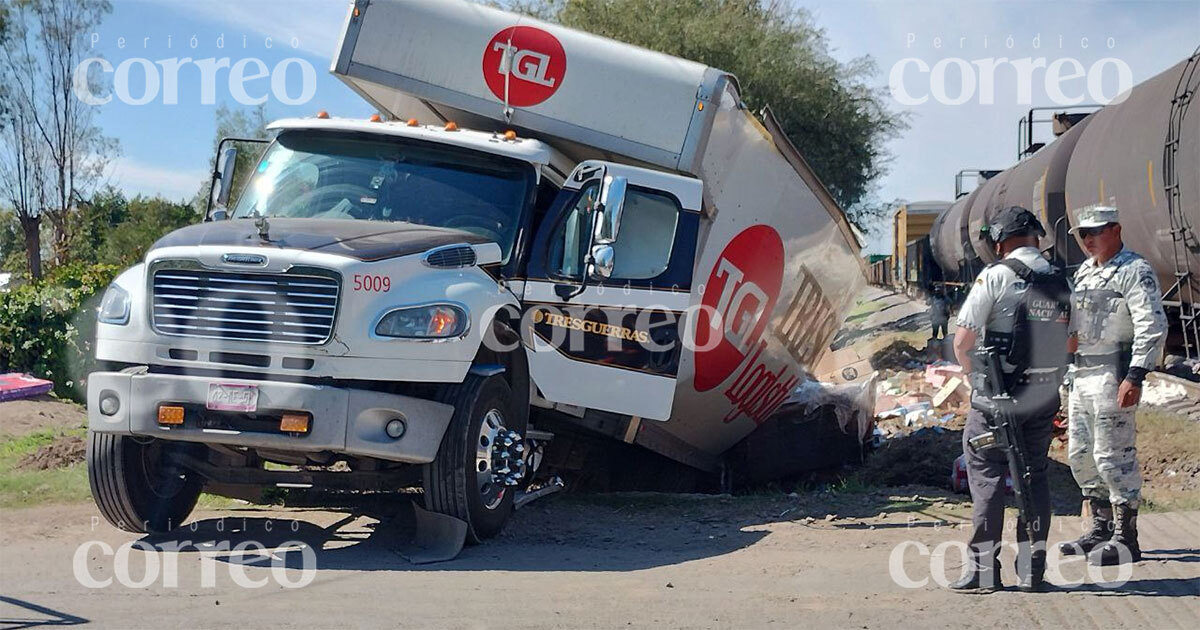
<point x="131" y="487"/>
<point x="457" y="482"/>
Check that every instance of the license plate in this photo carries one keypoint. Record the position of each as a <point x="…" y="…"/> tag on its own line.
<point x="230" y="397"/>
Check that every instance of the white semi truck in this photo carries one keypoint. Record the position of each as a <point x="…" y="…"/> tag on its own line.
<point x="541" y="226"/>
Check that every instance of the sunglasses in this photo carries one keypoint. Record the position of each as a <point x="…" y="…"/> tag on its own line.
<point x="1092" y="231"/>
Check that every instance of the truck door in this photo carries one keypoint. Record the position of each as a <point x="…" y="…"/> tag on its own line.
<point x="612" y="343"/>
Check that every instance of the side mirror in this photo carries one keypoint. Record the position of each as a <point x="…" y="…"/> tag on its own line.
<point x="612" y="203"/>
<point x="602" y="261"/>
<point x="225" y="184"/>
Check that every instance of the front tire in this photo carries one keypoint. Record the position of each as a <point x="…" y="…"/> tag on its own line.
<point x="460" y="481"/>
<point x="133" y="488"/>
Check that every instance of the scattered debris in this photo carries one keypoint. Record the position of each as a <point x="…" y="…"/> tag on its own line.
<point x="955" y="386"/>
<point x="898" y="355"/>
<point x="1172" y="393"/>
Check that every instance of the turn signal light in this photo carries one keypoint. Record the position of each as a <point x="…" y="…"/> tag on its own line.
<point x="168" y="414"/>
<point x="322" y="114"/>
<point x="294" y="423"/>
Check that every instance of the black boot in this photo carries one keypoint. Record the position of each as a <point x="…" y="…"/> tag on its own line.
<point x="1124" y="541"/>
<point x="1100" y="532"/>
<point x="981" y="577"/>
<point x="1033" y="580"/>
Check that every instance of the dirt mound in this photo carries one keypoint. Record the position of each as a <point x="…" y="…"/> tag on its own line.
<point x="19" y="417"/>
<point x="924" y="457"/>
<point x="898" y="355"/>
<point x="64" y="451"/>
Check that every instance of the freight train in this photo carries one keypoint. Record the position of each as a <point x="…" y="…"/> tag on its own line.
<point x="1141" y="154"/>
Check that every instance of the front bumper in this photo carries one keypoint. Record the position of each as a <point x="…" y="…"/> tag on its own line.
<point x="344" y="420"/>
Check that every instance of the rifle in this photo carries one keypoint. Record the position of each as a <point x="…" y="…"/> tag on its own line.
<point x="999" y="410"/>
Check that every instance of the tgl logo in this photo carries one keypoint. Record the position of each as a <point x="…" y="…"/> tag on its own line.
<point x="526" y="63"/>
<point x="741" y="293"/>
<point x="747" y="301"/>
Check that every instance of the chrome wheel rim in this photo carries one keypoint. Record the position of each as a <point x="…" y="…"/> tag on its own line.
<point x="499" y="459"/>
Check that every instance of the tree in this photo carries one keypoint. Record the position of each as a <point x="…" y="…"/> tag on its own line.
<point x="54" y="153"/>
<point x="23" y="158"/>
<point x="148" y="219"/>
<point x="94" y="220"/>
<point x="829" y="109"/>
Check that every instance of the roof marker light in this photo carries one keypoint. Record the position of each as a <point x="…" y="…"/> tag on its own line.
<point x="412" y="122"/>
<point x="375" y="118"/>
<point x="510" y="135"/>
<point x="451" y="126"/>
<point x="322" y="114"/>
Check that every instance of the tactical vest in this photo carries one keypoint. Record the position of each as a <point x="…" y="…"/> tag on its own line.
<point x="1037" y="345"/>
<point x="1095" y="307"/>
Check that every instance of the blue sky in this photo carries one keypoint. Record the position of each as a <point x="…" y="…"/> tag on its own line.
<point x="166" y="149"/>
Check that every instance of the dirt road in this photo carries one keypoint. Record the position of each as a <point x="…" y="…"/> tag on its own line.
<point x="598" y="561"/>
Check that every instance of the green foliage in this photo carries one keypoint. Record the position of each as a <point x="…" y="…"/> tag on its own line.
<point x="47" y="327"/>
<point x="781" y="59"/>
<point x="149" y="219"/>
<point x="12" y="243"/>
<point x="92" y="222"/>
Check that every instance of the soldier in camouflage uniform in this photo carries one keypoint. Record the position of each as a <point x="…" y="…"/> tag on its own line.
<point x="1118" y="327"/>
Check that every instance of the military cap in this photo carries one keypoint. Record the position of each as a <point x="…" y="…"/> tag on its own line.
<point x="1094" y="216"/>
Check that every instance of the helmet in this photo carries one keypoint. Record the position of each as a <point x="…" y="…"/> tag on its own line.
<point x="1010" y="222"/>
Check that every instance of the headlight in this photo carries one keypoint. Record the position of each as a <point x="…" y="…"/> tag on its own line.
<point x="436" y="321"/>
<point x="114" y="308"/>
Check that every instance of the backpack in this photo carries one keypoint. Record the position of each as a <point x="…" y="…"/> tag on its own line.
<point x="1041" y="322"/>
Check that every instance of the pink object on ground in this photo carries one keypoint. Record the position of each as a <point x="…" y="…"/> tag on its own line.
<point x="15" y="385"/>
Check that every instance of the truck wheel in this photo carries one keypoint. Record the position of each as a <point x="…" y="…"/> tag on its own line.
<point x="132" y="487"/>
<point x="479" y="463"/>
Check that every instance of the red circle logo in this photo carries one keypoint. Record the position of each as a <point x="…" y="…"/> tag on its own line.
<point x="529" y="60"/>
<point x="741" y="289"/>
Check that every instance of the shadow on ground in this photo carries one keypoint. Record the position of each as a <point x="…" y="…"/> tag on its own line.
<point x="34" y="616"/>
<point x="595" y="534"/>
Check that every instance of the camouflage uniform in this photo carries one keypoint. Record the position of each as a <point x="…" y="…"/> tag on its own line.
<point x="1118" y="316"/>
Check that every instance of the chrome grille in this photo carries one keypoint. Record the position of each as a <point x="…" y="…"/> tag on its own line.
<point x="282" y="308"/>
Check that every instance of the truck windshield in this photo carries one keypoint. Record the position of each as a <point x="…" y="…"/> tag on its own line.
<point x="341" y="176"/>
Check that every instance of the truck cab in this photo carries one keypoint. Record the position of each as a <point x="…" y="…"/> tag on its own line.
<point x="363" y="294"/>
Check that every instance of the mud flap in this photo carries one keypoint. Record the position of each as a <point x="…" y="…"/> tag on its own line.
<point x="438" y="537"/>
